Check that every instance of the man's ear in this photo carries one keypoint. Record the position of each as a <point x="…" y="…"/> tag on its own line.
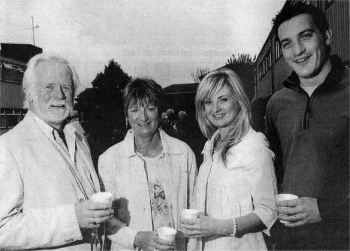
<point x="29" y="96"/>
<point x="328" y="37"/>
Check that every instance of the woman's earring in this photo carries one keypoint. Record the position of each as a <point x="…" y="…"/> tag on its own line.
<point x="126" y="122"/>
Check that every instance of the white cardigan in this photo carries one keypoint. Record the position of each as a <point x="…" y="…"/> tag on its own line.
<point x="246" y="184"/>
<point x="122" y="172"/>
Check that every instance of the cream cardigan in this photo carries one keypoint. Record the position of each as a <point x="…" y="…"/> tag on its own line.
<point x="246" y="184"/>
<point x="122" y="172"/>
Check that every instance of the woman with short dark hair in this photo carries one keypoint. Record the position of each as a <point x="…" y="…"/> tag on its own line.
<point x="151" y="174"/>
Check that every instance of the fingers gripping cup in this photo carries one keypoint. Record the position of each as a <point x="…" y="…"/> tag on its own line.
<point x="283" y="197"/>
<point x="167" y="234"/>
<point x="189" y="214"/>
<point x="102" y="197"/>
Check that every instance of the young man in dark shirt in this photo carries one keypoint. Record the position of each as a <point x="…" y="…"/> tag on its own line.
<point x="307" y="124"/>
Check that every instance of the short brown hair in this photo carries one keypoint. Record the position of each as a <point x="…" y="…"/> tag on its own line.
<point x="143" y="91"/>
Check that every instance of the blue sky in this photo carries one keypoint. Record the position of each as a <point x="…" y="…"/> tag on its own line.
<point x="163" y="39"/>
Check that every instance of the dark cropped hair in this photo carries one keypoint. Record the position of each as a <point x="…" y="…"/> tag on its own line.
<point x="142" y="91"/>
<point x="292" y="9"/>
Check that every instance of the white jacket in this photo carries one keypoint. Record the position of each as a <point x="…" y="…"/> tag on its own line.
<point x="38" y="191"/>
<point x="122" y="172"/>
<point x="246" y="184"/>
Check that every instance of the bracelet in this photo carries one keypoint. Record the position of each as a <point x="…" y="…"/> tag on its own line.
<point x="234" y="227"/>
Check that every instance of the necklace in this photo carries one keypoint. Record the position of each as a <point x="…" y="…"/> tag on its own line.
<point x="150" y="154"/>
<point x="148" y="148"/>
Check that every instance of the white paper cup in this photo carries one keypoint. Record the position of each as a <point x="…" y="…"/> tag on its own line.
<point x="189" y="214"/>
<point x="102" y="197"/>
<point x="167" y="233"/>
<point x="283" y="197"/>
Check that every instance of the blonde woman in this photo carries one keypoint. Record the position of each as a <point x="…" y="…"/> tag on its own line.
<point x="236" y="182"/>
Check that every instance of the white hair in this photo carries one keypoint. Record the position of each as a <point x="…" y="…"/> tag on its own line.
<point x="29" y="78"/>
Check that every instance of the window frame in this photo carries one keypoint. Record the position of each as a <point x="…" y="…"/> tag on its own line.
<point x="7" y="113"/>
<point x="17" y="70"/>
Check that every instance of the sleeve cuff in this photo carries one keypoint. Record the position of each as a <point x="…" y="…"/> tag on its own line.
<point x="267" y="217"/>
<point x="70" y="227"/>
<point x="324" y="206"/>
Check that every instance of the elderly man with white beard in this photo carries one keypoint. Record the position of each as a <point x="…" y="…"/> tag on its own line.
<point x="46" y="171"/>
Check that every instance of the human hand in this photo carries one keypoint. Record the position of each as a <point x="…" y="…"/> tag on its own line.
<point x="91" y="214"/>
<point x="149" y="241"/>
<point x="298" y="212"/>
<point x="203" y="226"/>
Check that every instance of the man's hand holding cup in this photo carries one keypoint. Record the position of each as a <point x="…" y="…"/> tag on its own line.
<point x="91" y="213"/>
<point x="294" y="211"/>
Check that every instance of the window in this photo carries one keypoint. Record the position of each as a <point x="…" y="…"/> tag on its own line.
<point x="328" y="3"/>
<point x="21" y="73"/>
<point x="9" y="118"/>
<point x="2" y="119"/>
<point x="12" y="73"/>
<point x="268" y="61"/>
<point x="23" y="113"/>
<point x="266" y="64"/>
<point x="278" y="50"/>
<point x="13" y="116"/>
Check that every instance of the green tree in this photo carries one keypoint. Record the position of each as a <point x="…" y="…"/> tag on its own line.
<point x="243" y="65"/>
<point x="101" y="109"/>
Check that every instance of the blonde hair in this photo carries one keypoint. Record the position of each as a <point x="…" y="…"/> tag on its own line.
<point x="209" y="86"/>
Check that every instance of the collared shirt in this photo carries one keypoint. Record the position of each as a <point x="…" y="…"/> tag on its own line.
<point x="72" y="151"/>
<point x="49" y="131"/>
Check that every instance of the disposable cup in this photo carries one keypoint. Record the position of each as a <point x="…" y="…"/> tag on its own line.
<point x="283" y="197"/>
<point x="102" y="197"/>
<point x="167" y="233"/>
<point x="189" y="214"/>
